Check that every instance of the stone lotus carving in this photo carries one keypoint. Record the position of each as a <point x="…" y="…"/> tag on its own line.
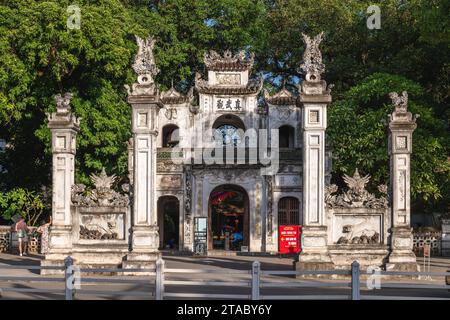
<point x="312" y="58"/>
<point x="145" y="67"/>
<point x="63" y="111"/>
<point x="144" y="61"/>
<point x="400" y="102"/>
<point x="63" y="102"/>
<point x="102" y="194"/>
<point x="356" y="196"/>
<point x="401" y="115"/>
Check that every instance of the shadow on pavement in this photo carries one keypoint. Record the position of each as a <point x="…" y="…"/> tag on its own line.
<point x="16" y="260"/>
<point x="230" y="263"/>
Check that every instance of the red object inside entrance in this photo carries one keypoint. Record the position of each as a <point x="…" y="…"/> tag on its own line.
<point x="289" y="239"/>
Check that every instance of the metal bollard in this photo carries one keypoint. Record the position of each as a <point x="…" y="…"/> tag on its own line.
<point x="256" y="277"/>
<point x="69" y="278"/>
<point x="159" y="290"/>
<point x="355" y="281"/>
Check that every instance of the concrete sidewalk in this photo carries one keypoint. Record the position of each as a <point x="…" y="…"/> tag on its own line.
<point x="227" y="264"/>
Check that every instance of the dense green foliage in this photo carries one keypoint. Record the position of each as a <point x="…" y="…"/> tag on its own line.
<point x="357" y="124"/>
<point x="24" y="203"/>
<point x="40" y="56"/>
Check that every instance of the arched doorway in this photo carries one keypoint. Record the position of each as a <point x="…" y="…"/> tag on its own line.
<point x="228" y="213"/>
<point x="227" y="126"/>
<point x="170" y="136"/>
<point x="169" y="222"/>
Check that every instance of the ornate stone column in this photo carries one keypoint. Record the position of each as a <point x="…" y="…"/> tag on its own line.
<point x="313" y="99"/>
<point x="145" y="104"/>
<point x="64" y="127"/>
<point x="401" y="126"/>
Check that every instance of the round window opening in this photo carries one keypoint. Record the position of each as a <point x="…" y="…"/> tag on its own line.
<point x="230" y="135"/>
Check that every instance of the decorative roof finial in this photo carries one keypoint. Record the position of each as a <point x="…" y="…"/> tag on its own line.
<point x="144" y="62"/>
<point x="228" y="62"/>
<point x="103" y="180"/>
<point x="63" y="102"/>
<point x="400" y="102"/>
<point x="356" y="183"/>
<point x="312" y="58"/>
<point x="356" y="195"/>
<point x="102" y="195"/>
<point x="401" y="115"/>
<point x="63" y="115"/>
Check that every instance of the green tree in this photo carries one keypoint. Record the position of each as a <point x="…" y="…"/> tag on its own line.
<point x="40" y="57"/>
<point x="357" y="129"/>
<point x="24" y="203"/>
<point x="186" y="29"/>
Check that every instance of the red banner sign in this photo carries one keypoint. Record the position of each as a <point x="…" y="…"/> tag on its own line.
<point x="289" y="239"/>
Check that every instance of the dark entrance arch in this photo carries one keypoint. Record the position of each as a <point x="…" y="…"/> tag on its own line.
<point x="169" y="222"/>
<point x="228" y="211"/>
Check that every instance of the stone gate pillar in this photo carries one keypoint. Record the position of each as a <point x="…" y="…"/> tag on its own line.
<point x="401" y="126"/>
<point x="145" y="104"/>
<point x="64" y="127"/>
<point x="313" y="99"/>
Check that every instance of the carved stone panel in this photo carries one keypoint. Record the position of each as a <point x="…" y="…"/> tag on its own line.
<point x="168" y="166"/>
<point x="94" y="226"/>
<point x="228" y="78"/>
<point x="357" y="228"/>
<point x="169" y="181"/>
<point x="314" y="116"/>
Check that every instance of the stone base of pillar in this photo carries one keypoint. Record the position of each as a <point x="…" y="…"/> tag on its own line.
<point x="60" y="239"/>
<point x="145" y="243"/>
<point x="402" y="267"/>
<point x="313" y="266"/>
<point x="144" y="239"/>
<point x="314" y="255"/>
<point x="402" y="258"/>
<point x="60" y="247"/>
<point x="54" y="260"/>
<point x="140" y="261"/>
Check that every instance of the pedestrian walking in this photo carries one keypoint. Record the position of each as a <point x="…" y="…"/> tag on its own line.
<point x="22" y="231"/>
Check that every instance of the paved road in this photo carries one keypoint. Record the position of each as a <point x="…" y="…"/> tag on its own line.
<point x="234" y="269"/>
